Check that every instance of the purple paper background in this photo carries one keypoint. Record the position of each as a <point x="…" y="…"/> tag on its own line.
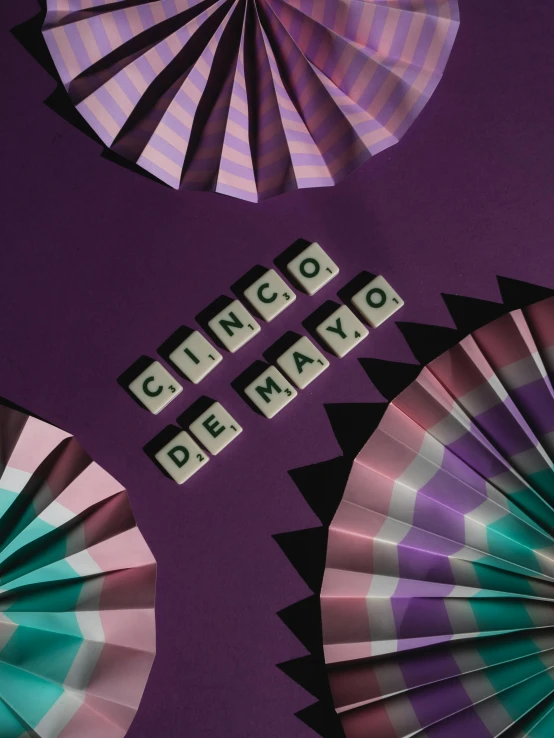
<point x="99" y="265"/>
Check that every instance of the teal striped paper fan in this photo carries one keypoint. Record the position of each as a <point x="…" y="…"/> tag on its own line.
<point x="77" y="590"/>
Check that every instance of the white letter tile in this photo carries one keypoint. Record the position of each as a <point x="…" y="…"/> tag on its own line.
<point x="342" y="331"/>
<point x="313" y="268"/>
<point x="271" y="392"/>
<point x="182" y="457"/>
<point x="215" y="428"/>
<point x="234" y="326"/>
<point x="195" y="357"/>
<point x="377" y="301"/>
<point x="155" y="387"/>
<point x="269" y="295"/>
<point x="303" y="362"/>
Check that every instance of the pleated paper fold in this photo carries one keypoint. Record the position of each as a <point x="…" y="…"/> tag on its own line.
<point x="438" y="595"/>
<point x="77" y="590"/>
<point x="250" y="98"/>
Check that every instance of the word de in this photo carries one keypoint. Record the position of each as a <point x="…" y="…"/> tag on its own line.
<point x="182" y="456"/>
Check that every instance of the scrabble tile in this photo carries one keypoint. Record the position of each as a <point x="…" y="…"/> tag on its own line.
<point x="303" y="362"/>
<point x="182" y="457"/>
<point x="234" y="326"/>
<point x="312" y="269"/>
<point x="215" y="428"/>
<point x="342" y="331"/>
<point x="377" y="301"/>
<point x="155" y="387"/>
<point x="195" y="357"/>
<point x="270" y="295"/>
<point x="271" y="392"/>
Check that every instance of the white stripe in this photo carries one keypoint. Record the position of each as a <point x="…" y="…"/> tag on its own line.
<point x="14" y="480"/>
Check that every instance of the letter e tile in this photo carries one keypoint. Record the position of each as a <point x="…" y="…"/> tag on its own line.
<point x="215" y="428"/>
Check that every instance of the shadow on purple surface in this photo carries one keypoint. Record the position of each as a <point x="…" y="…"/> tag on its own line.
<point x="322" y="484"/>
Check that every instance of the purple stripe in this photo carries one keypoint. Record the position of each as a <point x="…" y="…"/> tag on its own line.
<point x="95" y="124"/>
<point x="158" y="172"/>
<point x="145" y="68"/>
<point x="111" y="105"/>
<point x="231" y="167"/>
<point x="122" y="24"/>
<point x="478" y="455"/>
<point x="226" y="189"/>
<point x="461" y="725"/>
<point x="99" y="33"/>
<point x="78" y="47"/>
<point x="536" y="402"/>
<point x="505" y="424"/>
<point x="175" y="125"/>
<point x="164" y="147"/>
<point x="439" y="519"/>
<point x="237" y="144"/>
<point x="128" y="87"/>
<point x="146" y="16"/>
<point x="439" y="701"/>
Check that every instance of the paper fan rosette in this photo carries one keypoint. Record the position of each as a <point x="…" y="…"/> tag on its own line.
<point x="250" y="98"/>
<point x="438" y="594"/>
<point x="77" y="586"/>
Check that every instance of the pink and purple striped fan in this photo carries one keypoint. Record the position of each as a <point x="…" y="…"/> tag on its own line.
<point x="77" y="590"/>
<point x="438" y="594"/>
<point x="250" y="98"/>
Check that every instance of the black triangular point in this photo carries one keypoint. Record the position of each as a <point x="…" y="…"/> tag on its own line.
<point x="306" y="549"/>
<point x="470" y="313"/>
<point x="429" y="341"/>
<point x="322" y="485"/>
<point x="307" y="671"/>
<point x="303" y="619"/>
<point x="322" y="718"/>
<point x="353" y="423"/>
<point x="517" y="294"/>
<point x="390" y="377"/>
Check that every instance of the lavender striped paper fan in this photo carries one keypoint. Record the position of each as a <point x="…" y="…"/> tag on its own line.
<point x="77" y="589"/>
<point x="250" y="98"/>
<point x="438" y="594"/>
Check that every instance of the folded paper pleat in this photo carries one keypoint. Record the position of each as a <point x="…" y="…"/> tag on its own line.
<point x="250" y="98"/>
<point x="77" y="590"/>
<point x="438" y="594"/>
